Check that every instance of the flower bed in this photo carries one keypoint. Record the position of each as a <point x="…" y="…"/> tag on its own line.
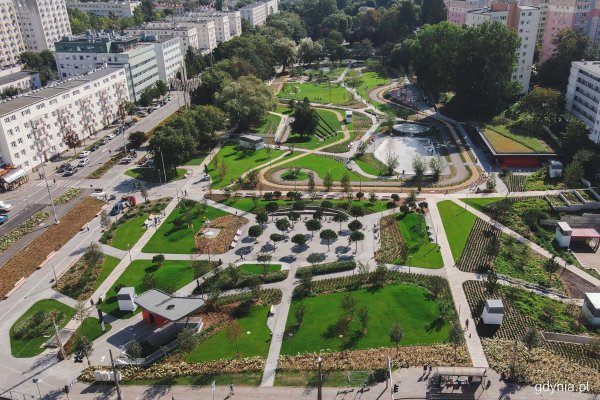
<point x="391" y="248"/>
<point x="25" y="262"/>
<point x="228" y="225"/>
<point x="26" y="227"/>
<point x="243" y="279"/>
<point x="67" y="196"/>
<point x="80" y="281"/>
<point x="571" y="198"/>
<point x="478" y="255"/>
<point x="556" y="201"/>
<point x="587" y="195"/>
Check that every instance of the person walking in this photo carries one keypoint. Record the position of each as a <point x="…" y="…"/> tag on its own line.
<point x="231" y="393"/>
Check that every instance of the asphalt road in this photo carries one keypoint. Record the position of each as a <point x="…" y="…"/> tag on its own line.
<point x="35" y="191"/>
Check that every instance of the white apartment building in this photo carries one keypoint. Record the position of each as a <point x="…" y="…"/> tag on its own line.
<point x="207" y="35"/>
<point x="169" y="57"/>
<point x="24" y="81"/>
<point x="257" y="13"/>
<point x="583" y="95"/>
<point x="187" y="35"/>
<point x="32" y="126"/>
<point x="77" y="55"/>
<point x="106" y="8"/>
<point x="524" y="20"/>
<point x="42" y="23"/>
<point x="11" y="41"/>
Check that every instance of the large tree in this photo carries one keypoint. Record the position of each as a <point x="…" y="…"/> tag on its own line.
<point x="173" y="146"/>
<point x="246" y="101"/>
<point x="432" y="12"/>
<point x="306" y="119"/>
<point x="284" y="50"/>
<point x="543" y="106"/>
<point x="574" y="138"/>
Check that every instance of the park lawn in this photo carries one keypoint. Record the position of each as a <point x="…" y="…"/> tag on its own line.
<point x="237" y="163"/>
<point x="128" y="233"/>
<point x="370" y="165"/>
<point x="457" y="225"/>
<point x="479" y="203"/>
<point x="306" y="378"/>
<point x="371" y="80"/>
<point x="312" y="142"/>
<point x="247" y="378"/>
<point x="269" y="126"/>
<point x="422" y="252"/>
<point x="91" y="328"/>
<point x="409" y="305"/>
<point x="24" y="348"/>
<point x="197" y="160"/>
<point x="247" y="204"/>
<point x="320" y="165"/>
<point x="258" y="269"/>
<point x="172" y="239"/>
<point x="173" y="275"/>
<point x="108" y="266"/>
<point x="506" y="140"/>
<point x="253" y="341"/>
<point x="288" y="176"/>
<point x="328" y="131"/>
<point x="317" y="93"/>
<point x="153" y="175"/>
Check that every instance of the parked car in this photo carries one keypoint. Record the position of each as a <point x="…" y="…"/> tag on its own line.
<point x="117" y="209"/>
<point x="5" y="207"/>
<point x="3" y="219"/>
<point x="70" y="171"/>
<point x="169" y="98"/>
<point x="148" y="163"/>
<point x="111" y="136"/>
<point x="63" y="167"/>
<point x="84" y="154"/>
<point x="83" y="162"/>
<point x="126" y="160"/>
<point x="95" y="147"/>
<point x="105" y="140"/>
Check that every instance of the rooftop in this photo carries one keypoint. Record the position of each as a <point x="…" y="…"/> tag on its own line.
<point x="15" y="76"/>
<point x="593" y="67"/>
<point x="168" y="306"/>
<point x="594" y="299"/>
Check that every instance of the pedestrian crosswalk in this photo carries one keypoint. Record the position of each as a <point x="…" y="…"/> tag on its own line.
<point x="68" y="183"/>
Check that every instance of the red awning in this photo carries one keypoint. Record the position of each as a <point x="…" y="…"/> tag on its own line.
<point x="585" y="233"/>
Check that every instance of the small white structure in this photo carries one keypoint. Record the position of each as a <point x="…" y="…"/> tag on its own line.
<point x="126" y="298"/>
<point x="555" y="169"/>
<point x="348" y="117"/>
<point x="252" y="142"/>
<point x="493" y="312"/>
<point x="591" y="308"/>
<point x="563" y="234"/>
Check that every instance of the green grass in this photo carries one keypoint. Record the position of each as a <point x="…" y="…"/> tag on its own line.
<point x="329" y="128"/>
<point x="422" y="252"/>
<point x="91" y="328"/>
<point x="269" y="126"/>
<point x="128" y="233"/>
<point x="24" y="348"/>
<point x="173" y="275"/>
<point x="237" y="163"/>
<point x="154" y="175"/>
<point x="254" y="343"/>
<point x="479" y="203"/>
<point x="247" y="204"/>
<point x="317" y="93"/>
<point x="370" y="165"/>
<point x="457" y="225"/>
<point x="258" y="268"/>
<point x="320" y="165"/>
<point x="371" y="80"/>
<point x="197" y="160"/>
<point x="307" y="378"/>
<point x="508" y="140"/>
<point x="108" y="266"/>
<point x="409" y="305"/>
<point x="172" y="239"/>
<point x="289" y="176"/>
<point x="247" y="378"/>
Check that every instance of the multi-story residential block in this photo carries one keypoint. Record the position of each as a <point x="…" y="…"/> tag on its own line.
<point x="10" y="35"/>
<point x="169" y="57"/>
<point x="106" y="8"/>
<point x="524" y="20"/>
<point x="207" y="36"/>
<point x="233" y="22"/>
<point x="457" y="9"/>
<point x="583" y="95"/>
<point x="24" y="81"/>
<point x="563" y="14"/>
<point x="77" y="55"/>
<point x="33" y="126"/>
<point x="42" y="23"/>
<point x="257" y="13"/>
<point x="187" y="35"/>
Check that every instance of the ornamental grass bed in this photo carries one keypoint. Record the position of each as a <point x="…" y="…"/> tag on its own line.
<point x="228" y="225"/>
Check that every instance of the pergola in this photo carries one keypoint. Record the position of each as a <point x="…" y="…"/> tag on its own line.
<point x="590" y="234"/>
<point x="460" y="376"/>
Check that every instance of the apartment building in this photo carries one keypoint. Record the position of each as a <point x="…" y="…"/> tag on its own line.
<point x="24" y="81"/>
<point x="169" y="57"/>
<point x="205" y="27"/>
<point x="256" y="14"/>
<point x="106" y="8"/>
<point x="11" y="41"/>
<point x="188" y="35"/>
<point x="76" y="55"/>
<point x="563" y="14"/>
<point x="32" y="126"/>
<point x="42" y="23"/>
<point x="583" y="95"/>
<point x="457" y="9"/>
<point x="228" y="24"/>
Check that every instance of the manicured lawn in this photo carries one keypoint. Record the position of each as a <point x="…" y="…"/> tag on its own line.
<point x="409" y="305"/>
<point x="197" y="160"/>
<point x="173" y="239"/>
<point x="422" y="252"/>
<point x="24" y="347"/>
<point x="248" y="378"/>
<point x="173" y="275"/>
<point x="506" y="140"/>
<point x="371" y="80"/>
<point x="91" y="328"/>
<point x="110" y="263"/>
<point x="370" y="165"/>
<point x="259" y="269"/>
<point x="479" y="203"/>
<point x="317" y="92"/>
<point x="289" y="176"/>
<point x="238" y="163"/>
<point x="153" y="175"/>
<point x="457" y="225"/>
<point x="312" y="141"/>
<point x="253" y="341"/>
<point x="246" y="204"/>
<point x="269" y="126"/>
<point x="323" y="164"/>
<point x="328" y="131"/>
<point x="128" y="233"/>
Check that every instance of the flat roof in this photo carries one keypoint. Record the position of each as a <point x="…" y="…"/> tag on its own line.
<point x="16" y="76"/>
<point x="251" y="138"/>
<point x="593" y="67"/>
<point x="585" y="233"/>
<point x="167" y="306"/>
<point x="594" y="299"/>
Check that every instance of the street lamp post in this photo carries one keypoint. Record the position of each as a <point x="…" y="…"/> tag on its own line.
<point x="49" y="194"/>
<point x="320" y="377"/>
<point x="163" y="164"/>
<point x="54" y="272"/>
<point x="37" y="383"/>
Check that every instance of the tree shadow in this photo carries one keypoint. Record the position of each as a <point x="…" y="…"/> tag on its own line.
<point x="152" y="268"/>
<point x="342" y="249"/>
<point x="299" y="248"/>
<point x="435" y="325"/>
<point x="352" y="340"/>
<point x="157" y="391"/>
<point x="267" y="247"/>
<point x="245" y="250"/>
<point x="288" y="259"/>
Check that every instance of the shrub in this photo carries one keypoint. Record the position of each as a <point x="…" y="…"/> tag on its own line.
<point x="327" y="268"/>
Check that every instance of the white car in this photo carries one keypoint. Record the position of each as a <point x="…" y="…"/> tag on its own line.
<point x="126" y="160"/>
<point x="5" y="207"/>
<point x="84" y="154"/>
<point x="111" y="136"/>
<point x="83" y="162"/>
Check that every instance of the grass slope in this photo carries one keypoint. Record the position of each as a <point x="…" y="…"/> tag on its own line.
<point x="457" y="225"/>
<point x="128" y="233"/>
<point x="422" y="252"/>
<point x="317" y="92"/>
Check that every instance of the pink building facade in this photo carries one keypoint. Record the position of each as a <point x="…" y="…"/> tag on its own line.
<point x="458" y="9"/>
<point x="563" y="14"/>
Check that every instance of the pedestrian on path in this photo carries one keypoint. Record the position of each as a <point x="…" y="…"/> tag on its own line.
<point x="231" y="389"/>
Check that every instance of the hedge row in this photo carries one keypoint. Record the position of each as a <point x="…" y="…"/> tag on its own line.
<point x="328" y="268"/>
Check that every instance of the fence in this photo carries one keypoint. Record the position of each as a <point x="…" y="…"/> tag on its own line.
<point x="6" y="394"/>
<point x="565" y="338"/>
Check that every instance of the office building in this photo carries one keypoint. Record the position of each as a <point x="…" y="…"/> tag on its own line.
<point x="33" y="126"/>
<point x="42" y="23"/>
